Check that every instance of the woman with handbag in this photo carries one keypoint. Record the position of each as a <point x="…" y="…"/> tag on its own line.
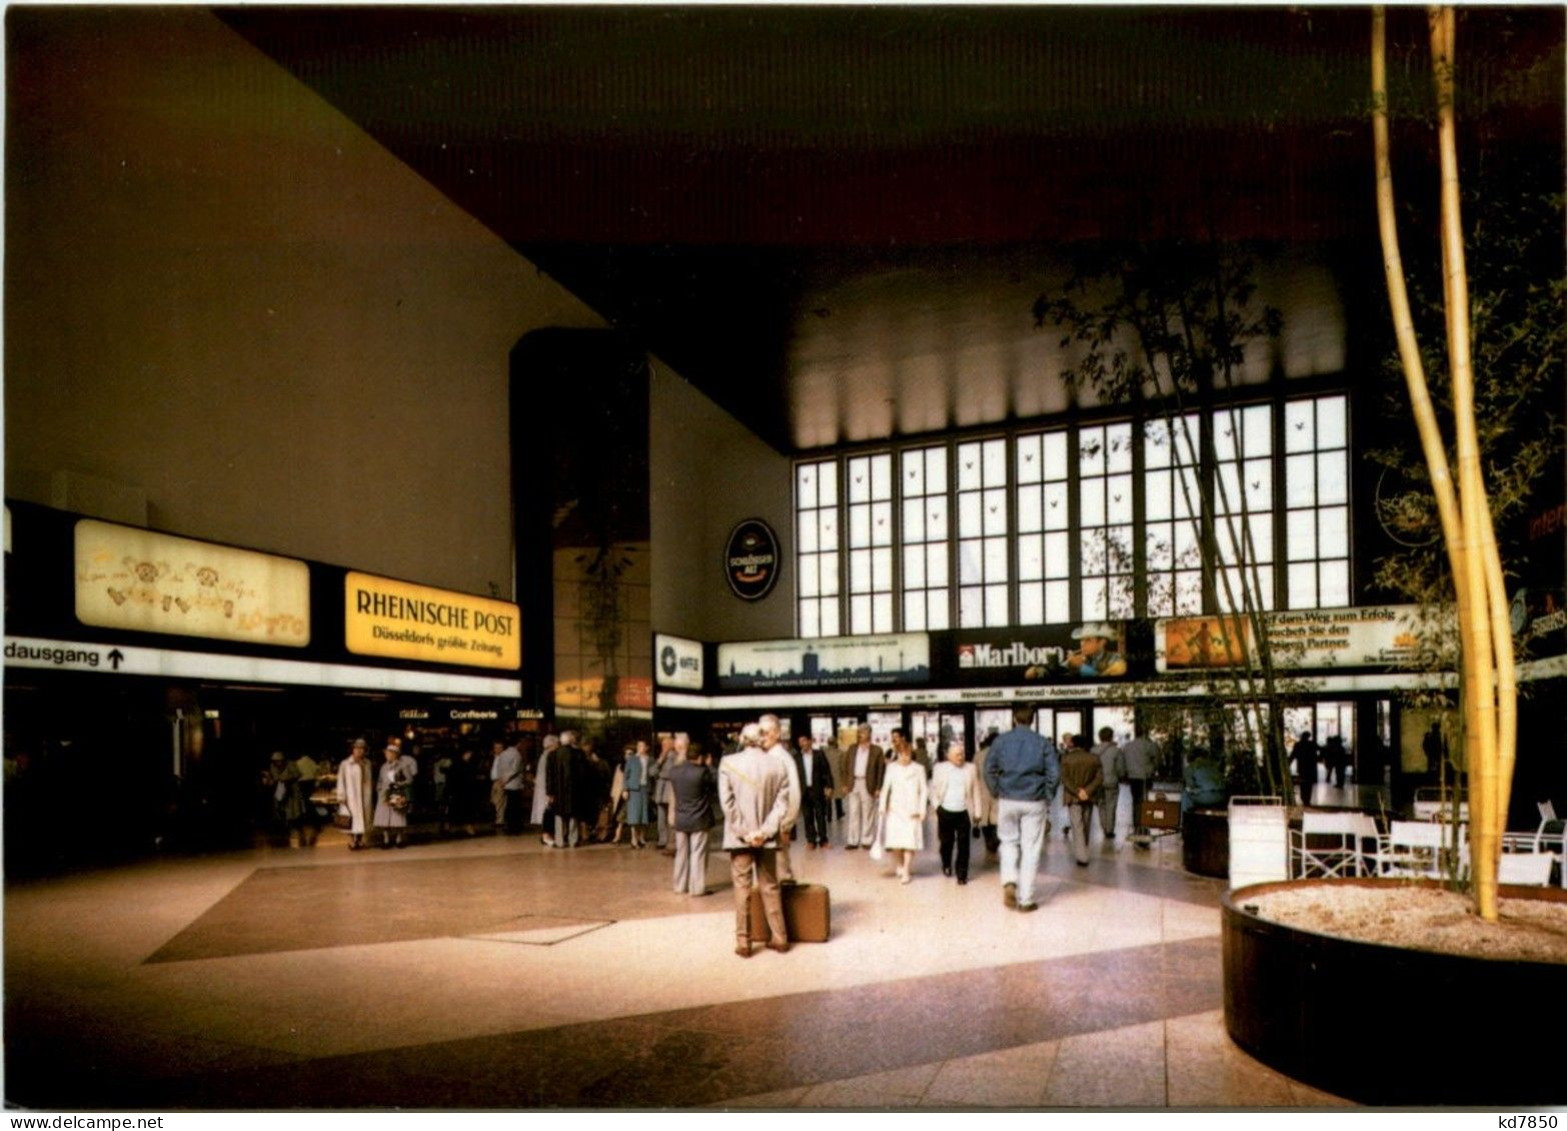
<point x="392" y="789"/>
<point x="355" y="794"/>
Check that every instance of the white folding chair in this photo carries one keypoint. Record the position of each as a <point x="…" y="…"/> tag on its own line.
<point x="1329" y="844"/>
<point x="1531" y="868"/>
<point x="1413" y="848"/>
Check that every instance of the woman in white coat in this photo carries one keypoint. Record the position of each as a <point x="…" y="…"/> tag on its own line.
<point x="540" y="777"/>
<point x="356" y="793"/>
<point x="905" y="795"/>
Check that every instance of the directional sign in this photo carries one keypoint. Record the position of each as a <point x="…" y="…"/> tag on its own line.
<point x="69" y="655"/>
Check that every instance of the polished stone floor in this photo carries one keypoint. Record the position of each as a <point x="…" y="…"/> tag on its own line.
<point x="497" y="974"/>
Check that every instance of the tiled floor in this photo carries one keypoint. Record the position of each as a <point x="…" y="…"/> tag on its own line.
<point x="497" y="974"/>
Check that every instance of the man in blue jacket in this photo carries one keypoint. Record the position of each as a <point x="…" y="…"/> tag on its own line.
<point x="1019" y="774"/>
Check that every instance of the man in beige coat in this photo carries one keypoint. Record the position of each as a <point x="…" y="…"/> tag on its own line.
<point x="753" y="790"/>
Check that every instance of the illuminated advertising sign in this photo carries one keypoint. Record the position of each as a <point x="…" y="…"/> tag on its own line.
<point x="1048" y="653"/>
<point x="415" y="622"/>
<point x="1371" y="636"/>
<point x="143" y="581"/>
<point x="751" y="559"/>
<point x="838" y="661"/>
<point x="677" y="662"/>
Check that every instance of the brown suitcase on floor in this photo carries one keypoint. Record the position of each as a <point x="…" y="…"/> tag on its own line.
<point x="1160" y="814"/>
<point x="807" y="913"/>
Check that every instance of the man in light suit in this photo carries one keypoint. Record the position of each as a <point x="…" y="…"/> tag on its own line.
<point x="864" y="767"/>
<point x="772" y="742"/>
<point x="753" y="790"/>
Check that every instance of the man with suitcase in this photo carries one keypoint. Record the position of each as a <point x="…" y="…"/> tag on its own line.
<point x="753" y="791"/>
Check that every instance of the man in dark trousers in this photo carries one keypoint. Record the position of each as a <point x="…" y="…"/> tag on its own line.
<point x="566" y="765"/>
<point x="816" y="785"/>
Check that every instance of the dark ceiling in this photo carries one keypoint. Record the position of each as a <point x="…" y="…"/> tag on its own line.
<point x="715" y="180"/>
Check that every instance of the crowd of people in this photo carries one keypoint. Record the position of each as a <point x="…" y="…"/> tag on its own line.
<point x="769" y="797"/>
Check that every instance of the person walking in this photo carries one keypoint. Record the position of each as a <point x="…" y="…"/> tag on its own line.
<point x="866" y="766"/>
<point x="1139" y="757"/>
<point x="1082" y="782"/>
<point x="753" y="791"/>
<point x="985" y="824"/>
<point x="1306" y="755"/>
<point x="1111" y="763"/>
<point x="1017" y="772"/>
<point x="905" y="797"/>
<point x="695" y="790"/>
<point x="957" y="796"/>
<point x="816" y="781"/>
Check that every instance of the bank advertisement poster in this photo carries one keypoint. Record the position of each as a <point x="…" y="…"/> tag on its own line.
<point x="1064" y="653"/>
<point x="1378" y="636"/>
<point x="836" y="661"/>
<point x="143" y="581"/>
<point x="403" y="621"/>
<point x="677" y="662"/>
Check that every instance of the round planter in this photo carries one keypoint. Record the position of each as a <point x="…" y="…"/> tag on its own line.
<point x="1205" y="842"/>
<point x="1389" y="1026"/>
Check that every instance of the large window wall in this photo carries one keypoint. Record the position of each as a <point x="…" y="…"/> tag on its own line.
<point x="1167" y="515"/>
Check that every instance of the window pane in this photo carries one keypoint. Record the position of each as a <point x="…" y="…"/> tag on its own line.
<point x="1055" y="449"/>
<point x="1259" y="485"/>
<point x="1261" y="548"/>
<point x="936" y="512"/>
<point x="859" y="480"/>
<point x="995" y="512"/>
<point x="1092" y="557"/>
<point x="829" y="575"/>
<point x="995" y="606"/>
<point x="1300" y="430"/>
<point x="1188" y="592"/>
<point x="805" y="486"/>
<point x="1156" y="444"/>
<point x="881" y="524"/>
<point x="914" y="568"/>
<point x="881" y="570"/>
<point x="1227" y="498"/>
<point x="1186" y="494"/>
<point x="1119" y="507"/>
<point x="1160" y="548"/>
<point x="1091" y="451"/>
<point x="1094" y="597"/>
<point x="1335" y="584"/>
<point x="936" y="470"/>
<point x="1258" y="423"/>
<point x="1091" y="503"/>
<point x="810" y="620"/>
<point x="995" y="463"/>
<point x="829" y="622"/>
<point x="914" y="612"/>
<point x="1226" y="422"/>
<point x="914" y="520"/>
<point x="971" y="566"/>
<point x="827" y="483"/>
<point x="1028" y="459"/>
<point x="1058" y="555"/>
<point x="881" y="476"/>
<point x="936" y="566"/>
<point x="859" y="571"/>
<point x="1031" y="603"/>
<point x="859" y="526"/>
<point x="970" y="510"/>
<point x="995" y="559"/>
<point x="808" y="542"/>
<point x="1300" y="481"/>
<point x="1057" y="513"/>
<point x="971" y="608"/>
<point x="1332" y="477"/>
<point x="1303" y="585"/>
<point x="1118" y="448"/>
<point x="1332" y="430"/>
<point x="859" y="615"/>
<point x="1058" y="602"/>
<point x="881" y="612"/>
<point x="939" y="616"/>
<point x="1030" y="557"/>
<point x="1029" y="504"/>
<point x="968" y="467"/>
<point x="913" y="473"/>
<point x="827" y="527"/>
<point x="1301" y="537"/>
<point x="1156" y="495"/>
<point x="1333" y="524"/>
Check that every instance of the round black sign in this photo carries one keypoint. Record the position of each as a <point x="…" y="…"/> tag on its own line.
<point x="667" y="660"/>
<point x="751" y="559"/>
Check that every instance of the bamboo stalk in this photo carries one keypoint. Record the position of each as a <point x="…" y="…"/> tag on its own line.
<point x="1480" y="708"/>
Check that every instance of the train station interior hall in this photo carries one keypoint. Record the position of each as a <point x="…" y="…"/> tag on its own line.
<point x="454" y="377"/>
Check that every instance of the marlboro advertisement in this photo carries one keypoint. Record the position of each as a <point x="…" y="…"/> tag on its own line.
<point x="1087" y="651"/>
